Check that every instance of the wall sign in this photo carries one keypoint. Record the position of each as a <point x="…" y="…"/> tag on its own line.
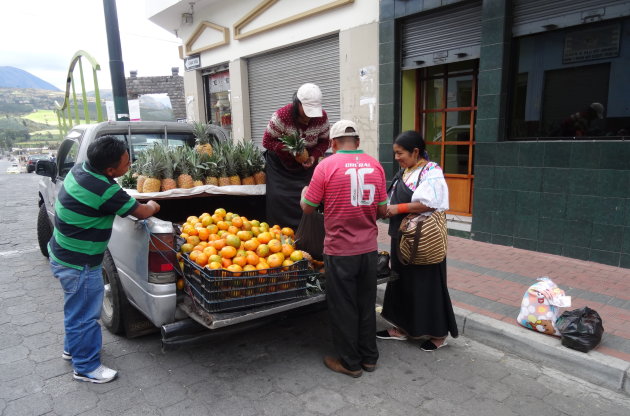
<point x="588" y="45"/>
<point x="192" y="62"/>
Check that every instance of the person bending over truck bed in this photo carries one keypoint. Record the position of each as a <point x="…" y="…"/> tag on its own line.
<point x="85" y="210"/>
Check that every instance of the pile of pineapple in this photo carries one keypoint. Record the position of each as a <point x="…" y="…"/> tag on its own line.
<point x="161" y="168"/>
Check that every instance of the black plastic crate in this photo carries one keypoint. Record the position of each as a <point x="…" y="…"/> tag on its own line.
<point x="222" y="290"/>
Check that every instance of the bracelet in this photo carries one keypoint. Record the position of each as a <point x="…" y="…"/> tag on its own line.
<point x="402" y="208"/>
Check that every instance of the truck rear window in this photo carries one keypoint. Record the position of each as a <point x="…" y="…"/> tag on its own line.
<point x="140" y="141"/>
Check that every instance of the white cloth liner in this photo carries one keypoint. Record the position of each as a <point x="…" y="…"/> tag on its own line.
<point x="199" y="190"/>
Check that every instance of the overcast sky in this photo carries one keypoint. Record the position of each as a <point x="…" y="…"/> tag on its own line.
<point x="41" y="36"/>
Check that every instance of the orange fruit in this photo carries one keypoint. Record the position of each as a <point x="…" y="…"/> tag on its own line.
<point x="251" y="244"/>
<point x="228" y="252"/>
<point x="264" y="237"/>
<point x="252" y="258"/>
<point x="287" y="231"/>
<point x="220" y="211"/>
<point x="193" y="239"/>
<point x="256" y="230"/>
<point x="202" y="259"/>
<point x="228" y="216"/>
<point x="286" y="264"/>
<point x="214" y="258"/>
<point x="184" y="235"/>
<point x="235" y="268"/>
<point x="296" y="256"/>
<point x="223" y="225"/>
<point x="262" y="250"/>
<point x="213" y="229"/>
<point x="262" y="267"/>
<point x="216" y="218"/>
<point x="225" y="263"/>
<point x="255" y="223"/>
<point x="204" y="233"/>
<point x="240" y="260"/>
<point x="233" y="240"/>
<point x="219" y="244"/>
<point x="276" y="227"/>
<point x="264" y="226"/>
<point x="186" y="248"/>
<point x="192" y="219"/>
<point x="246" y="225"/>
<point x="180" y="284"/>
<point x="215" y="265"/>
<point x="249" y="268"/>
<point x="198" y="247"/>
<point x="275" y="260"/>
<point x="245" y="235"/>
<point x="193" y="255"/>
<point x="275" y="245"/>
<point x="192" y="231"/>
<point x="209" y="251"/>
<point x="287" y="249"/>
<point x="237" y="221"/>
<point x="206" y="220"/>
<point x="232" y="229"/>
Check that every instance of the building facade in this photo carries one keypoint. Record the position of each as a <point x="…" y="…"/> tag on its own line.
<point x="526" y="105"/>
<point x="245" y="59"/>
<point x="171" y="85"/>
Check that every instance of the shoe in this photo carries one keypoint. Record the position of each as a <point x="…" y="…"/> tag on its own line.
<point x="101" y="375"/>
<point x="368" y="367"/>
<point x="335" y="365"/>
<point x="430" y="346"/>
<point x="384" y="334"/>
<point x="66" y="356"/>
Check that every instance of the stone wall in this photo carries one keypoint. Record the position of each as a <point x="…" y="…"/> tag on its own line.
<point x="172" y="85"/>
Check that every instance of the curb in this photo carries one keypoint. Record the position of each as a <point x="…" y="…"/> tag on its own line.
<point x="594" y="367"/>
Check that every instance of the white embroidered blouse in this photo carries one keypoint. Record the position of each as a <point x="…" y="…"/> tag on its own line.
<point x="432" y="190"/>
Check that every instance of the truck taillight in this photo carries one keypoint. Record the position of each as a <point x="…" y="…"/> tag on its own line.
<point x="162" y="259"/>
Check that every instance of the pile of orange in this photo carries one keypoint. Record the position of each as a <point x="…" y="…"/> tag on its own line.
<point x="225" y="240"/>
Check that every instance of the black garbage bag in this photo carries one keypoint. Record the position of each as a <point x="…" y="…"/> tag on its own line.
<point x="580" y="329"/>
<point x="382" y="264"/>
<point x="310" y="234"/>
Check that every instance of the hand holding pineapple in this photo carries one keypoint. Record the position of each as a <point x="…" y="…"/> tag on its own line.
<point x="296" y="145"/>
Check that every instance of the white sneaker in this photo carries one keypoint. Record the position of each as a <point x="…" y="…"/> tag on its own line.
<point x="101" y="375"/>
<point x="66" y="356"/>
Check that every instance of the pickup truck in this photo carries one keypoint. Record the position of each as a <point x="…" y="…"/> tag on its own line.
<point x="139" y="270"/>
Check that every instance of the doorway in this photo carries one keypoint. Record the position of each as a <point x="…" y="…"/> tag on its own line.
<point x="446" y="114"/>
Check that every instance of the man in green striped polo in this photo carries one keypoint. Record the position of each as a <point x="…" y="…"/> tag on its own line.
<point x="86" y="206"/>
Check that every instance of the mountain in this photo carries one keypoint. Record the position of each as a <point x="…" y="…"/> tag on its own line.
<point x="11" y="77"/>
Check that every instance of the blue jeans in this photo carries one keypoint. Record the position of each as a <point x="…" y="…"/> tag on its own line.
<point x="82" y="302"/>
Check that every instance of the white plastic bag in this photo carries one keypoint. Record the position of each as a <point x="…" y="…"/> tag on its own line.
<point x="541" y="306"/>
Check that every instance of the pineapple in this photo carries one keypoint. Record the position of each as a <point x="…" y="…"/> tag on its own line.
<point x="212" y="171"/>
<point x="295" y="145"/>
<point x="183" y="167"/>
<point x="247" y="150"/>
<point x="128" y="180"/>
<point x="223" y="150"/>
<point x="168" y="172"/>
<point x="140" y="167"/>
<point x="223" y="177"/>
<point x="258" y="167"/>
<point x="200" y="130"/>
<point x="234" y="167"/>
<point x="153" y="168"/>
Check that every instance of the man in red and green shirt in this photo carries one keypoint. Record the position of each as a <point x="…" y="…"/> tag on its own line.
<point x="351" y="185"/>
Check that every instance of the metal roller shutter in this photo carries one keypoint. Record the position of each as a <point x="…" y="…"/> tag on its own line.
<point x="442" y="36"/>
<point x="535" y="16"/>
<point x="275" y="76"/>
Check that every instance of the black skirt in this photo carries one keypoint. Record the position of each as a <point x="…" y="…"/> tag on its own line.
<point x="418" y="302"/>
<point x="284" y="187"/>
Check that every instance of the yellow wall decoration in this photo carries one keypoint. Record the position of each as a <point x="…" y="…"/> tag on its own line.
<point x="203" y="26"/>
<point x="266" y="4"/>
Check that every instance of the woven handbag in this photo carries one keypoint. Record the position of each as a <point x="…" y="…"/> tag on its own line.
<point x="423" y="241"/>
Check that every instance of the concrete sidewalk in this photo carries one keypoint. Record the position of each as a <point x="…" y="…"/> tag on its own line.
<point x="487" y="282"/>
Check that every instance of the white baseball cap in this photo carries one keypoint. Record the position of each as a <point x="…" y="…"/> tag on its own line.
<point x="339" y="129"/>
<point x="311" y="98"/>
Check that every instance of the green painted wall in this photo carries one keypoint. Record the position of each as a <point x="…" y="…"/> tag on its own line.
<point x="408" y="101"/>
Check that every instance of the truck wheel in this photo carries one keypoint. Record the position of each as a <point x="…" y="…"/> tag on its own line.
<point x="114" y="301"/>
<point x="44" y="230"/>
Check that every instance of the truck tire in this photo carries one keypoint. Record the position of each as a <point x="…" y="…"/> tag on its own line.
<point x="44" y="230"/>
<point x="114" y="300"/>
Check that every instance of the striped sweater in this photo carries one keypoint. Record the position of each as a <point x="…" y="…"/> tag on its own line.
<point x="316" y="135"/>
<point x="85" y="210"/>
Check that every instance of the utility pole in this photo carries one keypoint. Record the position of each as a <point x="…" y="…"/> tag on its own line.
<point x="116" y="66"/>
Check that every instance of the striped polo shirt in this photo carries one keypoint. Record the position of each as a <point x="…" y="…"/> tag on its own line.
<point x="85" y="210"/>
<point x="351" y="184"/>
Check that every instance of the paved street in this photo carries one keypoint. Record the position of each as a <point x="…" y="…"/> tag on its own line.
<point x="274" y="370"/>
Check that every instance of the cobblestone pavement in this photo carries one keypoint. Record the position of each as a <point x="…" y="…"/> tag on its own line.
<point x="274" y="370"/>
